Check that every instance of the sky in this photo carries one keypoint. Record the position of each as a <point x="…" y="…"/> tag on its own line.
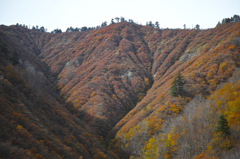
<point x="62" y="14"/>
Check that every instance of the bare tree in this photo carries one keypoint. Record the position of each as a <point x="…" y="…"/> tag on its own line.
<point x="117" y="19"/>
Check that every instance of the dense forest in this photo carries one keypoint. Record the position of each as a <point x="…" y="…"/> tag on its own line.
<point x="120" y="91"/>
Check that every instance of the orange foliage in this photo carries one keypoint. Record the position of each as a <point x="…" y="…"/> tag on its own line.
<point x="105" y="73"/>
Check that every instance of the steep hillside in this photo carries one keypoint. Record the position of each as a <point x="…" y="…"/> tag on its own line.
<point x="116" y="83"/>
<point x="206" y="59"/>
<point x="35" y="122"/>
<point x="103" y="73"/>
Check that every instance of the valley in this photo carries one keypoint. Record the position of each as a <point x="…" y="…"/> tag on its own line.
<point x="106" y="93"/>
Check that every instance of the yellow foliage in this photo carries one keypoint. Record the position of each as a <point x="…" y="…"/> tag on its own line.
<point x="168" y="140"/>
<point x="213" y="83"/>
<point x="210" y="75"/>
<point x="175" y="109"/>
<point x="131" y="133"/>
<point x="221" y="142"/>
<point x="162" y="108"/>
<point x="226" y="144"/>
<point x="140" y="97"/>
<point x="171" y="140"/>
<point x="38" y="156"/>
<point x="114" y="97"/>
<point x="209" y="148"/>
<point x="151" y="150"/>
<point x="231" y="47"/>
<point x="202" y="155"/>
<point x="166" y="155"/>
<point x="233" y="111"/>
<point x="74" y="92"/>
<point x="66" y="140"/>
<point x="146" y="80"/>
<point x="228" y="100"/>
<point x="19" y="127"/>
<point x="155" y="124"/>
<point x="99" y="154"/>
<point x="223" y="66"/>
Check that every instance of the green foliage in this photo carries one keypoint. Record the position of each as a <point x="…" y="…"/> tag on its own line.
<point x="197" y="26"/>
<point x="223" y="126"/>
<point x="234" y="18"/>
<point x="177" y="85"/>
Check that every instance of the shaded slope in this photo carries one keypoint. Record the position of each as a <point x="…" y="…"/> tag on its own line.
<point x="34" y="124"/>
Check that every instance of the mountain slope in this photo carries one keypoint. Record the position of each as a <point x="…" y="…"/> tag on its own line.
<point x="102" y="73"/>
<point x="117" y="79"/>
<point x="35" y="123"/>
<point x="111" y="66"/>
<point x="200" y="56"/>
<point x="205" y="58"/>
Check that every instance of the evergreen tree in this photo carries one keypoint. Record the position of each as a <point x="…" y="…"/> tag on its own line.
<point x="112" y="21"/>
<point x="104" y="24"/>
<point x="177" y="85"/>
<point x="55" y="31"/>
<point x="218" y="23"/>
<point x="122" y="19"/>
<point x="84" y="28"/>
<point x="42" y="29"/>
<point x="197" y="26"/>
<point x="235" y="18"/>
<point x="150" y="23"/>
<point x="131" y="21"/>
<point x="223" y="126"/>
<point x="157" y="25"/>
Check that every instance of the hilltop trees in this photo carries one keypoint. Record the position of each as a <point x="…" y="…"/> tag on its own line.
<point x="41" y="29"/>
<point x="157" y="25"/>
<point x="149" y="23"/>
<point x="104" y="24"/>
<point x="55" y="31"/>
<point x="235" y="18"/>
<point x="177" y="85"/>
<point x="112" y="21"/>
<point x="131" y="21"/>
<point x="197" y="26"/>
<point x="122" y="19"/>
<point x="71" y="29"/>
<point x="117" y="19"/>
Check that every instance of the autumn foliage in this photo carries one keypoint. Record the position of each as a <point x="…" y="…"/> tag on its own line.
<point x="106" y="93"/>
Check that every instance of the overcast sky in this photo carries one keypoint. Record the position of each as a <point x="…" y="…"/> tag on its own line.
<point x="61" y="14"/>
